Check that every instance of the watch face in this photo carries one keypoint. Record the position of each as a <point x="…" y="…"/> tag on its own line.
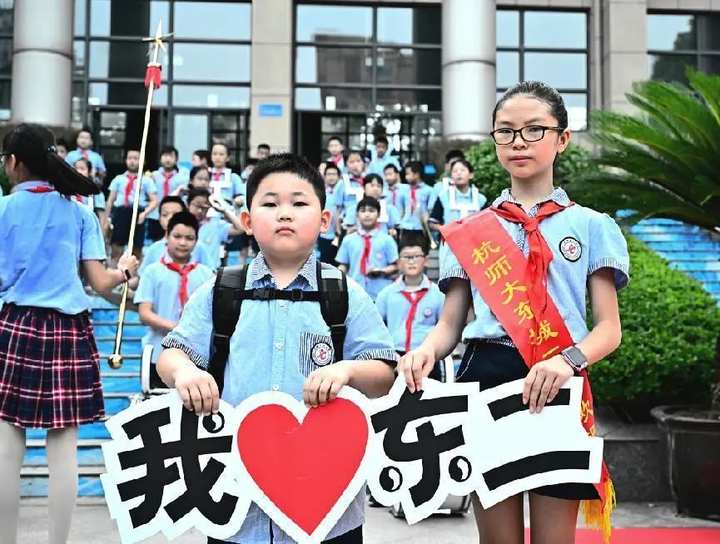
<point x="575" y="356"/>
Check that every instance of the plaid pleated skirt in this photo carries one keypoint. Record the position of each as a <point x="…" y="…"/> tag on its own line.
<point x="49" y="368"/>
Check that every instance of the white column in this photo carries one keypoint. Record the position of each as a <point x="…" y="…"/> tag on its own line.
<point x="42" y="62"/>
<point x="272" y="65"/>
<point x="468" y="68"/>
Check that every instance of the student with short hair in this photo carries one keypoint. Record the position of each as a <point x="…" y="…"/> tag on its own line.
<point x="389" y="217"/>
<point x="336" y="150"/>
<point x="120" y="205"/>
<point x="273" y="346"/>
<point x="168" y="179"/>
<point x="329" y="241"/>
<point x="394" y="187"/>
<point x="200" y="157"/>
<point x="84" y="150"/>
<point x="262" y="152"/>
<point x="411" y="305"/>
<point x="368" y="255"/>
<point x="166" y="285"/>
<point x="61" y="148"/>
<point x="353" y="185"/>
<point x="381" y="156"/>
<point x="169" y="206"/>
<point x="415" y="201"/>
<point x="460" y="199"/>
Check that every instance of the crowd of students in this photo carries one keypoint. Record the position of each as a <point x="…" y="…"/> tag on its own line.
<point x="376" y="220"/>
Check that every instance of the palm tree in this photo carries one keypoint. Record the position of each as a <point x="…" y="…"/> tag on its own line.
<point x="664" y="162"/>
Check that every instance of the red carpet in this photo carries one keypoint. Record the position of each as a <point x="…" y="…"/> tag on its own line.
<point x="649" y="536"/>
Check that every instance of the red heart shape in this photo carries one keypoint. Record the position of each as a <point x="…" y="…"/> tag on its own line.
<point x="303" y="468"/>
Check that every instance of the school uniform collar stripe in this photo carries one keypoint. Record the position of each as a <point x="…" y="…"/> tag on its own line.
<point x="260" y="270"/>
<point x="557" y="195"/>
<point x="27" y="185"/>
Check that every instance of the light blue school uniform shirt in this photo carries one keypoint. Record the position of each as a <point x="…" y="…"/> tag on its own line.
<point x="383" y="252"/>
<point x="177" y="180"/>
<point x="44" y="238"/>
<point x="271" y="350"/>
<point x="377" y="164"/>
<point x="411" y="219"/>
<point x="228" y="183"/>
<point x="92" y="202"/>
<point x="442" y="184"/>
<point x="119" y="183"/>
<point x="394" y="309"/>
<point x="389" y="217"/>
<point x="213" y="234"/>
<point x="160" y="286"/>
<point x="333" y="202"/>
<point x="458" y="205"/>
<point x="393" y="194"/>
<point x="353" y="192"/>
<point x="94" y="157"/>
<point x="155" y="251"/>
<point x="601" y="244"/>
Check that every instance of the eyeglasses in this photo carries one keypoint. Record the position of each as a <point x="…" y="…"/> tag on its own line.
<point x="411" y="258"/>
<point x="531" y="133"/>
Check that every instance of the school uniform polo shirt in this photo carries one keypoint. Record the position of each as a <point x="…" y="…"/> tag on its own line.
<point x="353" y="192"/>
<point x="394" y="308"/>
<point x="213" y="234"/>
<point x="389" y="217"/>
<point x="160" y="286"/>
<point x="393" y="194"/>
<point x="582" y="241"/>
<point x="155" y="251"/>
<point x="272" y="350"/>
<point x="44" y="238"/>
<point x="119" y="183"/>
<point x="383" y="252"/>
<point x="94" y="157"/>
<point x="411" y="219"/>
<point x="176" y="179"/>
<point x="228" y="183"/>
<point x="457" y="205"/>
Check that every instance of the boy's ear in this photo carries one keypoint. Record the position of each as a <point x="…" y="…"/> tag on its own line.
<point x="246" y="222"/>
<point x="325" y="218"/>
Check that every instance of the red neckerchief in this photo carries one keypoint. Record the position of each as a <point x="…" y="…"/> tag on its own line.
<point x="367" y="249"/>
<point x="413" y="197"/>
<point x="414" y="298"/>
<point x="40" y="189"/>
<point x="129" y="187"/>
<point x="540" y="253"/>
<point x="393" y="190"/>
<point x="184" y="271"/>
<point x="85" y="154"/>
<point x="167" y="177"/>
<point x="217" y="174"/>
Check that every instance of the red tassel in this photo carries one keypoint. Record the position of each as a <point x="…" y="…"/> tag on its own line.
<point x="153" y="75"/>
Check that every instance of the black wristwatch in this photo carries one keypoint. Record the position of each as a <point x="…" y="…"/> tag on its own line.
<point x="575" y="358"/>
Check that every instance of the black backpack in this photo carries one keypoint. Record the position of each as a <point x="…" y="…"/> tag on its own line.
<point x="229" y="292"/>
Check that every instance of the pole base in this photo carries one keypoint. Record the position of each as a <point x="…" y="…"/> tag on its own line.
<point x="115" y="361"/>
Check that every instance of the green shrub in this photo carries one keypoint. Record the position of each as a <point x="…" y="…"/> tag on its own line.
<point x="670" y="329"/>
<point x="491" y="178"/>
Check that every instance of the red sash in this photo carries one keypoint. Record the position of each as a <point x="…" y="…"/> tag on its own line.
<point x="505" y="280"/>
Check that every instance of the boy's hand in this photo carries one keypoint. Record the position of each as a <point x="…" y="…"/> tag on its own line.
<point x="141" y="218"/>
<point x="198" y="390"/>
<point x="544" y="381"/>
<point x="128" y="262"/>
<point x="218" y="203"/>
<point x="416" y="365"/>
<point x="324" y="384"/>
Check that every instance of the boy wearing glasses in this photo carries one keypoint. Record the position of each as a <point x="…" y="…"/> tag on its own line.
<point x="411" y="305"/>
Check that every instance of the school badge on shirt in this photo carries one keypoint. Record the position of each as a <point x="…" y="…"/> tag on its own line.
<point x="571" y="249"/>
<point x="321" y="354"/>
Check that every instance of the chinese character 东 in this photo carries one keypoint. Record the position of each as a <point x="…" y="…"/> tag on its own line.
<point x="481" y="254"/>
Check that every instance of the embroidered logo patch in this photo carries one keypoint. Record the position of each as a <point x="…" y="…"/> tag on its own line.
<point x="571" y="249"/>
<point x="321" y="354"/>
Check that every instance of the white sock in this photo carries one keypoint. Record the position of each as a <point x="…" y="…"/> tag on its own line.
<point x="12" y="451"/>
<point x="62" y="488"/>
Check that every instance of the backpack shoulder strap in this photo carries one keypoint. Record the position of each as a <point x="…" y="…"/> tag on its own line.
<point x="225" y="314"/>
<point x="332" y="285"/>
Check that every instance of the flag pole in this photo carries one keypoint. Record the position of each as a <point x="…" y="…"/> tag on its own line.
<point x="152" y="82"/>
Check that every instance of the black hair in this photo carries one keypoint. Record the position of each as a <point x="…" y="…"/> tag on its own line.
<point x="357" y="152"/>
<point x="169" y="149"/>
<point x="203" y="154"/>
<point x="338" y="138"/>
<point x="252" y="161"/>
<point x="391" y="166"/>
<point x="332" y="166"/>
<point x="183" y="218"/>
<point x="411" y="239"/>
<point x="373" y="177"/>
<point x="414" y="166"/>
<point x="285" y="163"/>
<point x="264" y="146"/>
<point x="130" y="148"/>
<point x="169" y="199"/>
<point x="34" y="146"/>
<point x="382" y="140"/>
<point x="542" y="92"/>
<point x="368" y="202"/>
<point x="454" y="154"/>
<point x="61" y="142"/>
<point x="83" y="159"/>
<point x="85" y="128"/>
<point x="227" y="149"/>
<point x="195" y="193"/>
<point x="465" y="163"/>
<point x="196" y="169"/>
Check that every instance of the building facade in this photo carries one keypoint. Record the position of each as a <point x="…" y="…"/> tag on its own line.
<point x="291" y="73"/>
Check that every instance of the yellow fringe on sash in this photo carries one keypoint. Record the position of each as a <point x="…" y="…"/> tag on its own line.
<point x="597" y="514"/>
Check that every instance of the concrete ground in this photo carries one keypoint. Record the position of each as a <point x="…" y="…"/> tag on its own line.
<point x="92" y="524"/>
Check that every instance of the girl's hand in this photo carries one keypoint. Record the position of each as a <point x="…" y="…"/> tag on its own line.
<point x="218" y="203"/>
<point x="324" y="384"/>
<point x="129" y="263"/>
<point x="198" y="390"/>
<point x="544" y="381"/>
<point x="416" y="365"/>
